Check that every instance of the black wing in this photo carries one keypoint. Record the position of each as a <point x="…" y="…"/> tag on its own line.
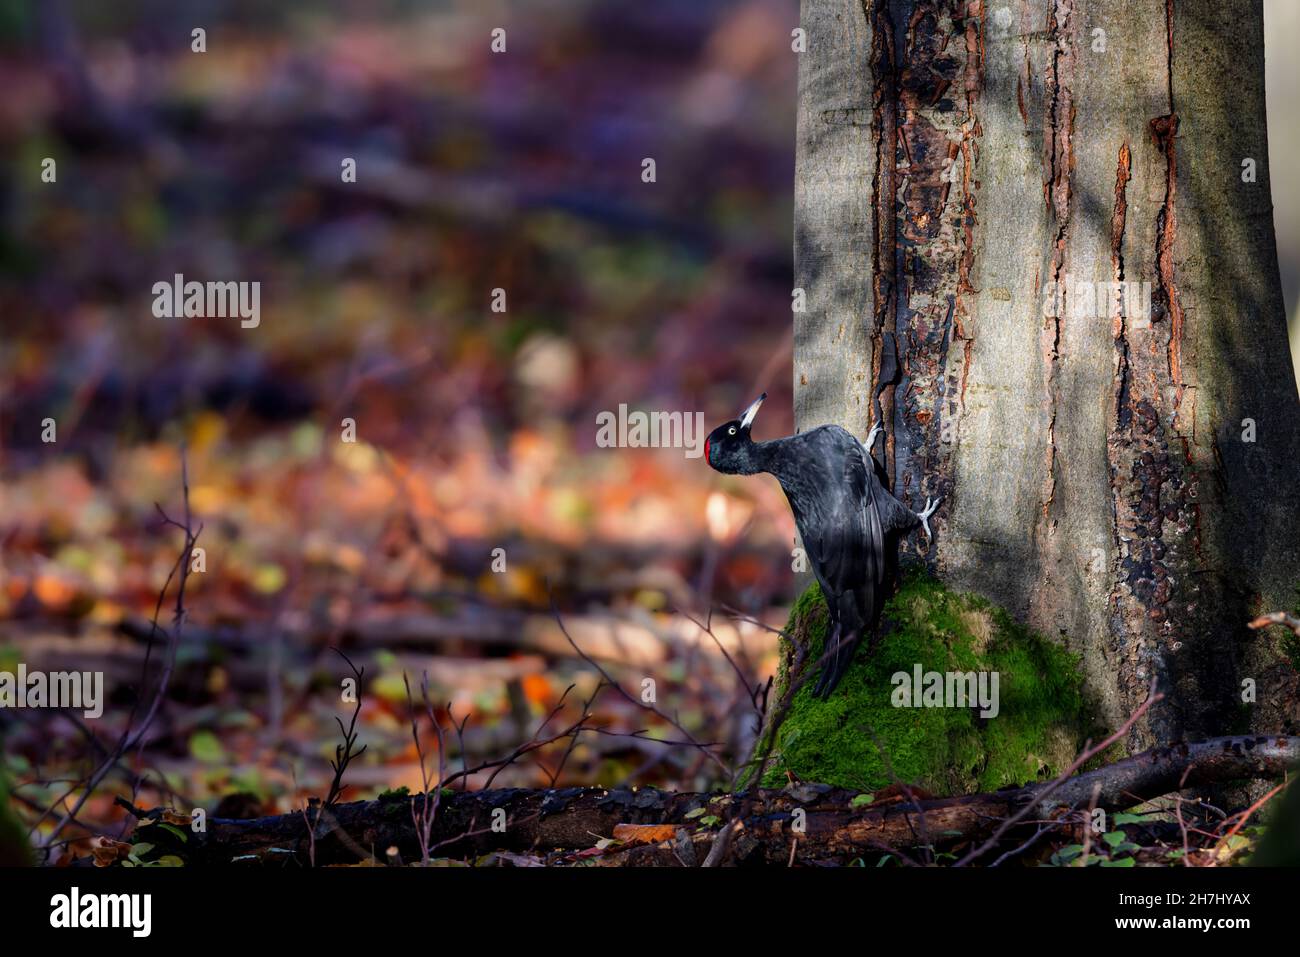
<point x="850" y="560"/>
<point x="848" y="550"/>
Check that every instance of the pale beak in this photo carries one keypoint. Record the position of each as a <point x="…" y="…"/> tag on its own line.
<point x="747" y="417"/>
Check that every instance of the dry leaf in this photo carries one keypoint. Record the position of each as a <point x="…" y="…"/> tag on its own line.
<point x="644" y="833"/>
<point x="107" y="851"/>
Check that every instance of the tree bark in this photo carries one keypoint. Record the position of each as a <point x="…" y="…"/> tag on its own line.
<point x="571" y="819"/>
<point x="1119" y="477"/>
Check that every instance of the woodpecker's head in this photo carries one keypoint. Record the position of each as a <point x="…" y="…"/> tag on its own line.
<point x="728" y="446"/>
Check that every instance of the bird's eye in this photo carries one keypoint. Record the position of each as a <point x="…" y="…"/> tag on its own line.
<point x="731" y="431"/>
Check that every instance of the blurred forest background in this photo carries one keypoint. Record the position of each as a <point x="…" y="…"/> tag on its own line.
<point x="476" y="430"/>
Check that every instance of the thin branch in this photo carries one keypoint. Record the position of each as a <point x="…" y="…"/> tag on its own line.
<point x="704" y="749"/>
<point x="1277" y="618"/>
<point x="130" y="737"/>
<point x="1043" y="795"/>
<point x="343" y="753"/>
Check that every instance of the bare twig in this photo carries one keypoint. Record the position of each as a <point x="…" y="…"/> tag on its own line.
<point x="703" y="748"/>
<point x="722" y="843"/>
<point x="133" y="734"/>
<point x="1087" y="823"/>
<point x="1043" y="795"/>
<point x="1277" y="618"/>
<point x="343" y="753"/>
<point x="423" y="818"/>
<point x="1246" y="814"/>
<point x="573" y="741"/>
<point x="311" y="832"/>
<point x="1017" y="851"/>
<point x="1182" y="824"/>
<point x="907" y="792"/>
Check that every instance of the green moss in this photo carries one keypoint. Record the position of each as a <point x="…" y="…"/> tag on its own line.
<point x="855" y="738"/>
<point x="15" y="851"/>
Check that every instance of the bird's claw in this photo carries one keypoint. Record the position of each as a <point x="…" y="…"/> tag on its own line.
<point x="930" y="506"/>
<point x="871" y="436"/>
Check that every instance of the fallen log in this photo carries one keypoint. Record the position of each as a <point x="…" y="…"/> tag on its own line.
<point x="545" y="821"/>
<point x="636" y="640"/>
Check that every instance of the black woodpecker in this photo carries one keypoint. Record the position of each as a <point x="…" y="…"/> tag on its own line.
<point x="849" y="521"/>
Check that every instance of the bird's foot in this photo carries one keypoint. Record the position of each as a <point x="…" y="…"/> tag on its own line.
<point x="871" y="436"/>
<point x="924" y="515"/>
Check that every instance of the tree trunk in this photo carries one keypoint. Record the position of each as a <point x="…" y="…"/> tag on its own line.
<point x="1119" y="476"/>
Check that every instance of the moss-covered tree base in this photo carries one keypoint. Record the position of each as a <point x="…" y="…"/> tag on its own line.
<point x="860" y="739"/>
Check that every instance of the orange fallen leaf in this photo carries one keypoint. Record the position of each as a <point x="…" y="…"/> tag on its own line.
<point x="108" y="851"/>
<point x="644" y="833"/>
<point x="54" y="593"/>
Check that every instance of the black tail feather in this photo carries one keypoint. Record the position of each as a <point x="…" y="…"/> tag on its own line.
<point x="843" y="647"/>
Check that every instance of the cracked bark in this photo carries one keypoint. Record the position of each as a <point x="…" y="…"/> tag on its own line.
<point x="1092" y="460"/>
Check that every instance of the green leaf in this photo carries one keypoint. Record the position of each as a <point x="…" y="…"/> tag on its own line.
<point x="170" y="860"/>
<point x="174" y="830"/>
<point x="1127" y="818"/>
<point x="1121" y="862"/>
<point x="205" y="747"/>
<point x="140" y="850"/>
<point x="698" y="812"/>
<point x="1114" y="838"/>
<point x="268" y="578"/>
<point x="862" y="800"/>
